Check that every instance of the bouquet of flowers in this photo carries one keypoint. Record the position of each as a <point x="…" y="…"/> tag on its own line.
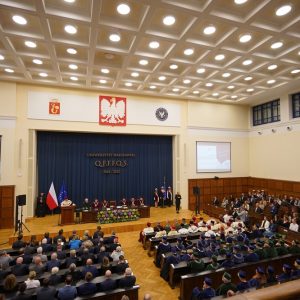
<point x="118" y="215"/>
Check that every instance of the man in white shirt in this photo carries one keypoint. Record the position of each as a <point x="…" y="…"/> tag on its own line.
<point x="294" y="226"/>
<point x="265" y="224"/>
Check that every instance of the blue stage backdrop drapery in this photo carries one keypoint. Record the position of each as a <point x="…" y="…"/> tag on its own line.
<point x="64" y="157"/>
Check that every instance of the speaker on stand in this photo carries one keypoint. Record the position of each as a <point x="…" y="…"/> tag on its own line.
<point x="196" y="192"/>
<point x="21" y="201"/>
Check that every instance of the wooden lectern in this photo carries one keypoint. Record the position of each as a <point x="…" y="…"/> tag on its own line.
<point x="67" y="215"/>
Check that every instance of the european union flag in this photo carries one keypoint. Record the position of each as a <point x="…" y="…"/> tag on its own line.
<point x="63" y="194"/>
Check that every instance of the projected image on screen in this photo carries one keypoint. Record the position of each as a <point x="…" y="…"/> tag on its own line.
<point x="213" y="157"/>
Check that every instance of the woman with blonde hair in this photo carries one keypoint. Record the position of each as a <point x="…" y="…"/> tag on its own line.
<point x="32" y="282"/>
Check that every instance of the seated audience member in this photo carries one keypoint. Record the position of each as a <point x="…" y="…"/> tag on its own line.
<point x="121" y="265"/>
<point x="86" y="255"/>
<point x="60" y="236"/>
<point x="19" y="243"/>
<point x="251" y="256"/>
<point x="89" y="268"/>
<point x="72" y="259"/>
<point x="38" y="266"/>
<point x="5" y="260"/>
<point x="21" y="294"/>
<point x="259" y="279"/>
<point x="296" y="272"/>
<point x="102" y="253"/>
<point x="60" y="249"/>
<point x="74" y="273"/>
<point x="125" y="297"/>
<point x="123" y="202"/>
<point x="87" y="288"/>
<point x="10" y="285"/>
<point x="206" y="292"/>
<point x="75" y="243"/>
<point x="146" y="230"/>
<point x="32" y="282"/>
<point x="287" y="273"/>
<point x="147" y="297"/>
<point x="294" y="226"/>
<point x="98" y="233"/>
<point x="214" y="265"/>
<point x="141" y="201"/>
<point x="117" y="253"/>
<point x="270" y="276"/>
<point x="105" y="265"/>
<point x="53" y="262"/>
<point x="46" y="292"/>
<point x="226" y="285"/>
<point x="128" y="280"/>
<point x="294" y="248"/>
<point x="196" y="264"/>
<point x="228" y="262"/>
<point x="47" y="237"/>
<point x="20" y="269"/>
<point x="108" y="283"/>
<point x="173" y="231"/>
<point x="243" y="284"/>
<point x="54" y="278"/>
<point x="68" y="292"/>
<point x="39" y="253"/>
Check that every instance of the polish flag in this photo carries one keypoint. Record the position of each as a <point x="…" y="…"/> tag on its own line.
<point x="51" y="198"/>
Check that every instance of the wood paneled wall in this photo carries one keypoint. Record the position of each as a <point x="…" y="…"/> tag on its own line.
<point x="7" y="205"/>
<point x="220" y="187"/>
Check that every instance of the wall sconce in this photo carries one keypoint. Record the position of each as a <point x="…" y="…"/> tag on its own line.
<point x="260" y="133"/>
<point x="289" y="128"/>
<point x="273" y="130"/>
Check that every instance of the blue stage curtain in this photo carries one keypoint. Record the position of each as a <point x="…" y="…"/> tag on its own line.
<point x="62" y="157"/>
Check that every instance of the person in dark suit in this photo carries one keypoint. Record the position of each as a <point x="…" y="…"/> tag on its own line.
<point x="88" y="287"/>
<point x="169" y="196"/>
<point x="72" y="259"/>
<point x="19" y="243"/>
<point x="122" y="265"/>
<point x="59" y="236"/>
<point x="74" y="273"/>
<point x="86" y="255"/>
<point x="103" y="253"/>
<point x="98" y="233"/>
<point x="177" y="201"/>
<point x="46" y="291"/>
<point x="89" y="268"/>
<point x="86" y="204"/>
<point x="53" y="262"/>
<point x="108" y="283"/>
<point x="128" y="280"/>
<point x="54" y="278"/>
<point x="21" y="295"/>
<point x="20" y="269"/>
<point x="67" y="292"/>
<point x="41" y="205"/>
<point x="206" y="292"/>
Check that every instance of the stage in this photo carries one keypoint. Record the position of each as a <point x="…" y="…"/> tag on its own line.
<point x="38" y="226"/>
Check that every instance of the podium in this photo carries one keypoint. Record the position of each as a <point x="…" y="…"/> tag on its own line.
<point x="67" y="215"/>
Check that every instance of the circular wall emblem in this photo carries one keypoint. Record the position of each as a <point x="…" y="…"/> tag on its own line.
<point x="161" y="114"/>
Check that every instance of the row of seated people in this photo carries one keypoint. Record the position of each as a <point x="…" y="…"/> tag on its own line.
<point x="73" y="287"/>
<point x="98" y="205"/>
<point x="261" y="278"/>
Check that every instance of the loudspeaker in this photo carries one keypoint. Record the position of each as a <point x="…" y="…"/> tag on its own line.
<point x="196" y="190"/>
<point x="21" y="200"/>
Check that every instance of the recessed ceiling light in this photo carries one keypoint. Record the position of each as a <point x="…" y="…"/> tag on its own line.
<point x="73" y="66"/>
<point x="152" y="87"/>
<point x="70" y="29"/>
<point x="109" y="56"/>
<point x="247" y="62"/>
<point x="19" y="20"/>
<point x="103" y="81"/>
<point x="219" y="57"/>
<point x="74" y="78"/>
<point x="169" y="20"/>
<point x="299" y="53"/>
<point x="1" y="57"/>
<point x="186" y="81"/>
<point x="162" y="78"/>
<point x="215" y="94"/>
<point x="123" y="9"/>
<point x="272" y="67"/>
<point x="37" y="61"/>
<point x="154" y="45"/>
<point x="250" y="90"/>
<point x="9" y="70"/>
<point x="248" y="78"/>
<point x="188" y="51"/>
<point x="271" y="81"/>
<point x="245" y="38"/>
<point x="105" y="71"/>
<point x="173" y="67"/>
<point x="42" y="74"/>
<point x="240" y="1"/>
<point x="276" y="45"/>
<point x="72" y="51"/>
<point x="209" y="84"/>
<point x="128" y="83"/>
<point x="135" y="74"/>
<point x="209" y="30"/>
<point x="196" y="92"/>
<point x="114" y="37"/>
<point x="283" y="10"/>
<point x="225" y="75"/>
<point x="69" y="1"/>
<point x="231" y="87"/>
<point x="143" y="62"/>
<point x="200" y="71"/>
<point x="175" y="90"/>
<point x="233" y="97"/>
<point x="296" y="71"/>
<point x="30" y="44"/>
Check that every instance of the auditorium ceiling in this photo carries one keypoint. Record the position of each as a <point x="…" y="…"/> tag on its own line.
<point x="233" y="51"/>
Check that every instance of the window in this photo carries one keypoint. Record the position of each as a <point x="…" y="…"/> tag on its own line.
<point x="296" y="105"/>
<point x="266" y="113"/>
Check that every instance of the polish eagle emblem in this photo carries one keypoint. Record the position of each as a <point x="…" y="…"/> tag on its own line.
<point x="112" y="111"/>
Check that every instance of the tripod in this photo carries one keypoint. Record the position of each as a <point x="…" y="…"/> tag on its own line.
<point x="20" y="224"/>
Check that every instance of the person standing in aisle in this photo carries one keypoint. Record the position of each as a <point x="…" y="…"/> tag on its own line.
<point x="177" y="201"/>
